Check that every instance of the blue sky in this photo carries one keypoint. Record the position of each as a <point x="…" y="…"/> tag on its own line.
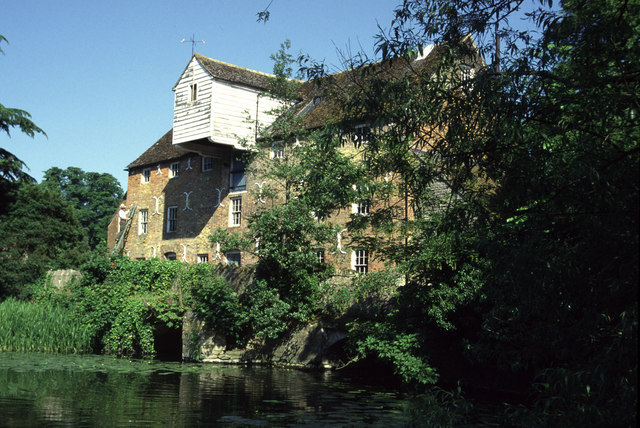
<point x="96" y="76"/>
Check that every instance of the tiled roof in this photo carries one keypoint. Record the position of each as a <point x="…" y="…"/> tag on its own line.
<point x="234" y="74"/>
<point x="325" y="97"/>
<point x="162" y="151"/>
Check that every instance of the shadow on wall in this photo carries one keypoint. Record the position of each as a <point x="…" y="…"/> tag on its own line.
<point x="192" y="199"/>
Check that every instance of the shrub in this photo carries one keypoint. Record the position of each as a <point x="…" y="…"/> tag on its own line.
<point x="215" y="302"/>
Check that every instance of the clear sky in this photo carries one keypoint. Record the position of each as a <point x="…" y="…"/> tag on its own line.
<point x="96" y="76"/>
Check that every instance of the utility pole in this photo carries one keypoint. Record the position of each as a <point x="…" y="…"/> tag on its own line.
<point x="496" y="57"/>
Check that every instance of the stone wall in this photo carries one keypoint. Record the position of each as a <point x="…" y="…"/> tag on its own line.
<point x="315" y="345"/>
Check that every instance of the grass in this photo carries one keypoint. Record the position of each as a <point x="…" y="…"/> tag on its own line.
<point x="40" y="327"/>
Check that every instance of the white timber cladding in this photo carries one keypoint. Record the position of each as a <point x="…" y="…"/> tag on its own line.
<point x="192" y="119"/>
<point x="235" y="108"/>
<point x="223" y="112"/>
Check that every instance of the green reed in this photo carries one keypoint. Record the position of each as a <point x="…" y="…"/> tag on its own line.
<point x="40" y="327"/>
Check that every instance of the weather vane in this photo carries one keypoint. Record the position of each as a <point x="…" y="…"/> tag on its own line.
<point x="193" y="43"/>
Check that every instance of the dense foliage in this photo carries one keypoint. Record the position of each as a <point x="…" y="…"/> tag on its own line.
<point x="95" y="197"/>
<point x="526" y="268"/>
<point x="39" y="232"/>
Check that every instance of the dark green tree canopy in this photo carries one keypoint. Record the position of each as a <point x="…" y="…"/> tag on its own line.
<point x="40" y="231"/>
<point x="95" y="196"/>
<point x="11" y="167"/>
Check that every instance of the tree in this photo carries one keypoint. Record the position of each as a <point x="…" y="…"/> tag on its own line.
<point x="11" y="167"/>
<point x="95" y="196"/>
<point x="304" y="182"/>
<point x="528" y="265"/>
<point x="39" y="232"/>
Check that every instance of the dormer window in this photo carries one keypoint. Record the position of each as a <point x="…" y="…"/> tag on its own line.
<point x="194" y="91"/>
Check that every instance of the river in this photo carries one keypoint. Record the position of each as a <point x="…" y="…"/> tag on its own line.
<point x="91" y="390"/>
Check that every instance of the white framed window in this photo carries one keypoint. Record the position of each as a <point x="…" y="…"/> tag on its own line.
<point x="361" y="135"/>
<point x="238" y="177"/>
<point x="207" y="163"/>
<point x="361" y="208"/>
<point x="277" y="150"/>
<point x="360" y="260"/>
<point x="172" y="219"/>
<point x="320" y="256"/>
<point x="146" y="175"/>
<point x="194" y="92"/>
<point x="143" y="221"/>
<point x="174" y="169"/>
<point x="203" y="258"/>
<point x="233" y="258"/>
<point x="466" y="72"/>
<point x="235" y="212"/>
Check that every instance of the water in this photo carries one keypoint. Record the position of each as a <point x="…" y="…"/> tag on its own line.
<point x="90" y="390"/>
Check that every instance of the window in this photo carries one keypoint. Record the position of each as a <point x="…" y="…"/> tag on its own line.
<point x="235" y="212"/>
<point x="233" y="258"/>
<point x="277" y="150"/>
<point x="143" y="221"/>
<point x="172" y="219"/>
<point x="361" y="208"/>
<point x="207" y="163"/>
<point x="361" y="135"/>
<point x="170" y="256"/>
<point x="194" y="91"/>
<point x="360" y="259"/>
<point x="318" y="216"/>
<point x="146" y="175"/>
<point x="466" y="73"/>
<point x="140" y="258"/>
<point x="174" y="169"/>
<point x="203" y="258"/>
<point x="320" y="255"/>
<point x="238" y="179"/>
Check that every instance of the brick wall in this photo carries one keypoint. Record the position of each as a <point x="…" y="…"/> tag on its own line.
<point x="203" y="212"/>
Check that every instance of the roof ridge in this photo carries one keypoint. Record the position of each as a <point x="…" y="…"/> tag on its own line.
<point x="233" y="65"/>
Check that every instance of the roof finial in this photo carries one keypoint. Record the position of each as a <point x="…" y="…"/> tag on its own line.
<point x="193" y="43"/>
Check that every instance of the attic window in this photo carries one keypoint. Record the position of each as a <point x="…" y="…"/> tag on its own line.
<point x="194" y="91"/>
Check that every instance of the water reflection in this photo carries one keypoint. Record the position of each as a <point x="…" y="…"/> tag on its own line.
<point x="56" y="390"/>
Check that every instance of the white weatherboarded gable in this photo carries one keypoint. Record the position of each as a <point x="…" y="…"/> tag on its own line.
<point x="192" y="119"/>
<point x="223" y="112"/>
